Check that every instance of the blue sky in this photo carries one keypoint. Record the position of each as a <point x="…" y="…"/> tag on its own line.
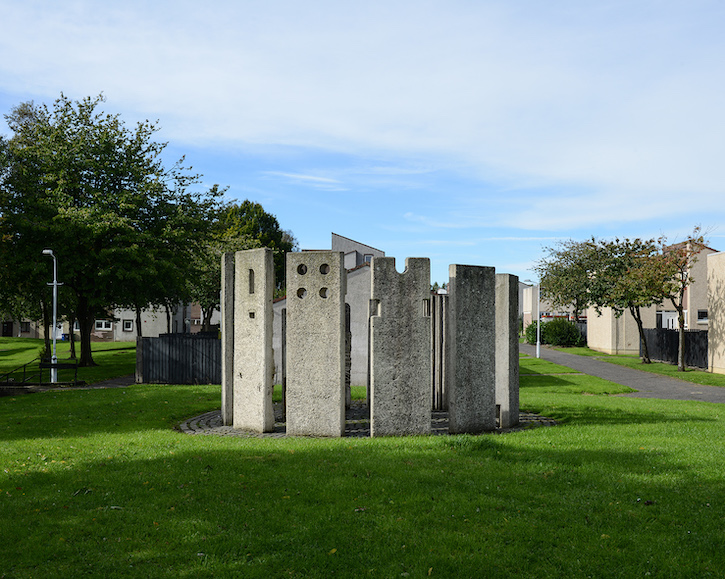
<point x="471" y="132"/>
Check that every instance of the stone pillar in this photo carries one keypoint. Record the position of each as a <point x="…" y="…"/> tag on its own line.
<point x="507" y="349"/>
<point x="253" y="356"/>
<point x="470" y="349"/>
<point x="227" y="328"/>
<point x="400" y="348"/>
<point x="316" y="343"/>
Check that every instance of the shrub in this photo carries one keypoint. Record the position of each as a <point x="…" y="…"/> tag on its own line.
<point x="561" y="332"/>
<point x="558" y="332"/>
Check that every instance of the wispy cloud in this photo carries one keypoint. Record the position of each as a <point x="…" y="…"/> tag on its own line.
<point x="469" y="119"/>
<point x="322" y="183"/>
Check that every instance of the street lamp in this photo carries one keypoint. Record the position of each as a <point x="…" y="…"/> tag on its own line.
<point x="538" y="318"/>
<point x="54" y="359"/>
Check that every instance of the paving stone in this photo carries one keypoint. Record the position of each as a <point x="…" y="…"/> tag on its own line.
<point x="357" y="424"/>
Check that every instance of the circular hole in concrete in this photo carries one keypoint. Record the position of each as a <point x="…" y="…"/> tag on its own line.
<point x="302" y="269"/>
<point x="324" y="269"/>
<point x="301" y="293"/>
<point x="324" y="292"/>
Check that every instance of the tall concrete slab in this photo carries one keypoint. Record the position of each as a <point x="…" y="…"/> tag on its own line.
<point x="227" y="329"/>
<point x="507" y="349"/>
<point x="400" y="348"/>
<point x="470" y="348"/>
<point x="253" y="357"/>
<point x="316" y="343"/>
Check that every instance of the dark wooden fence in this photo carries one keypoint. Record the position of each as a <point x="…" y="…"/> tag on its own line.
<point x="663" y="345"/>
<point x="179" y="359"/>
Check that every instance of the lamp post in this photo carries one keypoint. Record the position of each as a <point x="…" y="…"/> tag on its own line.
<point x="538" y="317"/>
<point x="54" y="359"/>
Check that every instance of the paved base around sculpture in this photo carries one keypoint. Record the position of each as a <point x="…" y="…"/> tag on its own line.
<point x="357" y="423"/>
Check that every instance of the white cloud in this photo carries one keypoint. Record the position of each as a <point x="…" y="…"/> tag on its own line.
<point x="619" y="101"/>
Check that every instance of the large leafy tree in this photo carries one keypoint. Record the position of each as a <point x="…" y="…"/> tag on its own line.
<point x="676" y="263"/>
<point x="249" y="219"/>
<point x="564" y="274"/>
<point x="123" y="226"/>
<point x="236" y="227"/>
<point x="628" y="275"/>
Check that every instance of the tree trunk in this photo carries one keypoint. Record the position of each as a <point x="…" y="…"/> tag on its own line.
<point x="207" y="313"/>
<point x="46" y="328"/>
<point x="168" y="319"/>
<point x="85" y="321"/>
<point x="681" y="341"/>
<point x="72" y="335"/>
<point x="139" y="330"/>
<point x="680" y="333"/>
<point x="637" y="315"/>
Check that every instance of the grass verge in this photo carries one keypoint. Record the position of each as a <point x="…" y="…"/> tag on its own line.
<point x="630" y="361"/>
<point x="98" y="483"/>
<point x="113" y="359"/>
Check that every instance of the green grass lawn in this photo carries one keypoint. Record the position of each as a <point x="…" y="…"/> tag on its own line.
<point x="113" y="359"/>
<point x="631" y="361"/>
<point x="98" y="483"/>
<point x="538" y="375"/>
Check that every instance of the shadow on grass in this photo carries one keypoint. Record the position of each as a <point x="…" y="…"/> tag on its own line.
<point x="206" y="507"/>
<point x="115" y="410"/>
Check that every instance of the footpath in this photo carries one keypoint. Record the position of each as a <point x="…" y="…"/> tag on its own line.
<point x="646" y="384"/>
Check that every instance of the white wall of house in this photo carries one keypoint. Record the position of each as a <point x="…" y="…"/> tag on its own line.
<point x="616" y="335"/>
<point x="716" y="311"/>
<point x="527" y="306"/>
<point x="153" y="323"/>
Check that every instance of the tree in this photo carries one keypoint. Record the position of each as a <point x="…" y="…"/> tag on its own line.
<point x="676" y="264"/>
<point x="249" y="220"/>
<point x="236" y="227"/>
<point x="122" y="225"/>
<point x="629" y="275"/>
<point x="564" y="274"/>
<point x="206" y="281"/>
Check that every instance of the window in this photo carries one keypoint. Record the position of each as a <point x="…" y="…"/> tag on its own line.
<point x="368" y="257"/>
<point x="128" y="325"/>
<point x="701" y="315"/>
<point x="104" y="325"/>
<point x="25" y="327"/>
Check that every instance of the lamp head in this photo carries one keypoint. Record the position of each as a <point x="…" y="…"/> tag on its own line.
<point x="48" y="252"/>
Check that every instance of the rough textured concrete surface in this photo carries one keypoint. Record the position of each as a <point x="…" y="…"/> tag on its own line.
<point x="253" y="358"/>
<point x="400" y="348"/>
<point x="470" y="346"/>
<point x="315" y="343"/>
<point x="227" y="328"/>
<point x="507" y="349"/>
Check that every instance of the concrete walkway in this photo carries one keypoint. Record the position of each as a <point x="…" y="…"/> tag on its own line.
<point x="648" y="385"/>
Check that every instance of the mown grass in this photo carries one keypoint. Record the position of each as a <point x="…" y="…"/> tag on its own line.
<point x="537" y="374"/>
<point x="635" y="362"/>
<point x="98" y="483"/>
<point x="113" y="359"/>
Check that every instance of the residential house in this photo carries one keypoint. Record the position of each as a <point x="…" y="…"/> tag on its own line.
<point x="716" y="312"/>
<point x="611" y="335"/>
<point x="528" y="307"/>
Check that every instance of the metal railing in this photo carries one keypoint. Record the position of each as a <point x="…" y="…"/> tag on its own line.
<point x="13" y="378"/>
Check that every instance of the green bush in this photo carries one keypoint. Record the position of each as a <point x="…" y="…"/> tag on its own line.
<point x="561" y="332"/>
<point x="557" y="332"/>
